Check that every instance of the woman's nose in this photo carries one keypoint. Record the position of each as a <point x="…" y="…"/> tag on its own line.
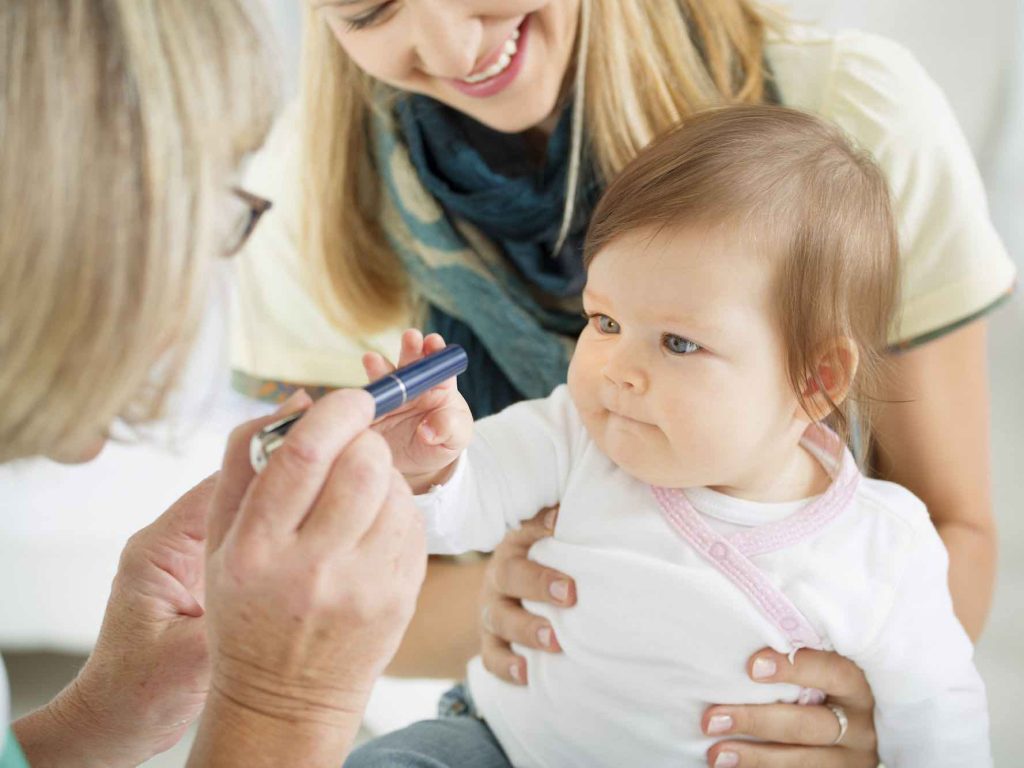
<point x="447" y="38"/>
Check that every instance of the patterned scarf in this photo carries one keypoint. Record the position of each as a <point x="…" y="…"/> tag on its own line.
<point x="475" y="222"/>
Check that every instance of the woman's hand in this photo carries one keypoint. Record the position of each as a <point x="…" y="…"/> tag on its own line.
<point x="147" y="678"/>
<point x="798" y="736"/>
<point x="313" y="568"/>
<point x="426" y="435"/>
<point x="510" y="578"/>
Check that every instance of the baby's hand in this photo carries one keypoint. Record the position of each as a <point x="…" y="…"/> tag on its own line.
<point x="426" y="435"/>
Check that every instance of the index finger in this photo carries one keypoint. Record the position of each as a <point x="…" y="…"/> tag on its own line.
<point x="279" y="498"/>
<point x="841" y="680"/>
<point x="236" y="470"/>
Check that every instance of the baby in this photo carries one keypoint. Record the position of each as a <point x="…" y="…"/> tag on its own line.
<point x="742" y="276"/>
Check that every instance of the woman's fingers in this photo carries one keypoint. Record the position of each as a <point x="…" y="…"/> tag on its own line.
<point x="811" y="726"/>
<point x="742" y="754"/>
<point x="838" y="677"/>
<point x="279" y="499"/>
<point x="499" y="660"/>
<point x="797" y="735"/>
<point x="508" y="620"/>
<point x="522" y="579"/>
<point x="512" y="574"/>
<point x="237" y="473"/>
<point x="354" y="490"/>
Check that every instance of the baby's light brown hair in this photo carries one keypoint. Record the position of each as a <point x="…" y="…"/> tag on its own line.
<point x="795" y="188"/>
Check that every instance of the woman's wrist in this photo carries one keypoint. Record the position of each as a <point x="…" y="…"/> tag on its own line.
<point x="69" y="731"/>
<point x="234" y="732"/>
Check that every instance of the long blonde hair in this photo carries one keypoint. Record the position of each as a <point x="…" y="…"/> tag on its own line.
<point x="121" y="122"/>
<point x="641" y="67"/>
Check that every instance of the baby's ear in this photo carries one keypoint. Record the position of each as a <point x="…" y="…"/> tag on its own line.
<point x="829" y="381"/>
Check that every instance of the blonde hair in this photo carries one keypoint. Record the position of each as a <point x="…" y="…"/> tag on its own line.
<point x="641" y="67"/>
<point x="799" y="192"/>
<point x="121" y="122"/>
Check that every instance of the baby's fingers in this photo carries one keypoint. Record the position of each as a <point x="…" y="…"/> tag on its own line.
<point x="449" y="427"/>
<point x="412" y="347"/>
<point x="376" y="366"/>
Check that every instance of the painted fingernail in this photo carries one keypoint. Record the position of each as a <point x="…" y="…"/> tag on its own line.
<point x="559" y="590"/>
<point x="429" y="435"/>
<point x="549" y="519"/>
<point x="719" y="724"/>
<point x="544" y="636"/>
<point x="727" y="760"/>
<point x="762" y="668"/>
<point x="513" y="670"/>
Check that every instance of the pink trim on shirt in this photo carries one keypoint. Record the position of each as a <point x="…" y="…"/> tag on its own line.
<point x="824" y="445"/>
<point x="732" y="556"/>
<point x="718" y="551"/>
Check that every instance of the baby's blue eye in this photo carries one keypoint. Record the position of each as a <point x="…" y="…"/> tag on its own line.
<point x="677" y="345"/>
<point x="606" y="325"/>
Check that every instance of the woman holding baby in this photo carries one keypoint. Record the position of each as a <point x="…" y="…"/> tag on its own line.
<point x="266" y="606"/>
<point x="450" y="155"/>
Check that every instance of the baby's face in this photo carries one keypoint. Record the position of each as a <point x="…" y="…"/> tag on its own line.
<point x="680" y="375"/>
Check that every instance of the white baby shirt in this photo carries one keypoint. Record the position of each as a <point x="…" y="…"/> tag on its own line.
<point x="677" y="589"/>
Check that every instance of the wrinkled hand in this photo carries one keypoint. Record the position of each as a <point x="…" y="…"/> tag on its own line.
<point x="798" y="736"/>
<point x="426" y="435"/>
<point x="313" y="569"/>
<point x="148" y="676"/>
<point x="512" y="577"/>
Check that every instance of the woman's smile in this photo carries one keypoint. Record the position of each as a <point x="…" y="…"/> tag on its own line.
<point x="501" y="62"/>
<point x="496" y="63"/>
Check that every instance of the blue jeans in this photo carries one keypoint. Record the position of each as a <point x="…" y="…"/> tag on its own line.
<point x="457" y="739"/>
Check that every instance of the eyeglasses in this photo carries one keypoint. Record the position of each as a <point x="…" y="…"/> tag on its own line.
<point x="244" y="221"/>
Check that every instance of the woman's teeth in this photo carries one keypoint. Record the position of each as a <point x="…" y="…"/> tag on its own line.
<point x="507" y="54"/>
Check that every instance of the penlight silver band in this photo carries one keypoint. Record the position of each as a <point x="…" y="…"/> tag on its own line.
<point x="401" y="386"/>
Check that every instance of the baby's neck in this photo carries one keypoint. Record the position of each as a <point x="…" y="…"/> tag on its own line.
<point x="792" y="475"/>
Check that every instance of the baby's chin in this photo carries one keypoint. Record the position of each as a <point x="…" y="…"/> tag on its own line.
<point x="641" y="462"/>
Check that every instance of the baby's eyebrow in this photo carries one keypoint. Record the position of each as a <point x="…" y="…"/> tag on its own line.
<point x="588" y="293"/>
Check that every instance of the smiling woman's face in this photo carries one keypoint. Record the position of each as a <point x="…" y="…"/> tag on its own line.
<point x="502" y="62"/>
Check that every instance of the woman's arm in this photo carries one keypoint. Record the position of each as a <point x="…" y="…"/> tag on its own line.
<point x="444" y="634"/>
<point x="932" y="437"/>
<point x="459" y="599"/>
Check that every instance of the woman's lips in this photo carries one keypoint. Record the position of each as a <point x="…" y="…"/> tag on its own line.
<point x="501" y="80"/>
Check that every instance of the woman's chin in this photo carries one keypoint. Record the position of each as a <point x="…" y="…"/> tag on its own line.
<point x="79" y="454"/>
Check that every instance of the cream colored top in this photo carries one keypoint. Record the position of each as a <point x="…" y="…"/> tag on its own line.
<point x="954" y="264"/>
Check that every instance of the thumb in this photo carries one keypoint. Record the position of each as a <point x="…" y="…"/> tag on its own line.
<point x="236" y="471"/>
<point x="188" y="515"/>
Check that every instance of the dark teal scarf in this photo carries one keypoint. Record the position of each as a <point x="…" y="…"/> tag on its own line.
<point x="516" y="310"/>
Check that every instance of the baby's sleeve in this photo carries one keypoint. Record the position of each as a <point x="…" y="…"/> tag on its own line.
<point x="517" y="463"/>
<point x="930" y="706"/>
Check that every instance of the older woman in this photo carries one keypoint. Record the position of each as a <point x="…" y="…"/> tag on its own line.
<point x="122" y="123"/>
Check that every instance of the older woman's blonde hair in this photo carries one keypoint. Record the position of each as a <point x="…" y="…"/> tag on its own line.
<point x="641" y="67"/>
<point x="121" y="123"/>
